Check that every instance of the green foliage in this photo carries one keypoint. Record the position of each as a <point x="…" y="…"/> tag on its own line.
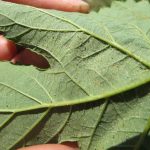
<point x="96" y="90"/>
<point x="96" y="4"/>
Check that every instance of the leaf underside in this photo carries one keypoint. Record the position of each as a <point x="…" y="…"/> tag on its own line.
<point x="100" y="56"/>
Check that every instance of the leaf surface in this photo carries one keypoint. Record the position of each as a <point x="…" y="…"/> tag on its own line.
<point x="91" y="57"/>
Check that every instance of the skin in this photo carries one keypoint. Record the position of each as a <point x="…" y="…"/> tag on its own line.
<point x="51" y="147"/>
<point x="65" y="5"/>
<point x="65" y="146"/>
<point x="8" y="51"/>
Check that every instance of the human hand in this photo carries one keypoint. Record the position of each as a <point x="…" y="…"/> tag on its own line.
<point x="8" y="50"/>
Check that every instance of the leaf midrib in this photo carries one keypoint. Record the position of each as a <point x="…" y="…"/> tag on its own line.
<point x="77" y="101"/>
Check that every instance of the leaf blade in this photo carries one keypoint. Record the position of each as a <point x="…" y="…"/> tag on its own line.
<point x="90" y="59"/>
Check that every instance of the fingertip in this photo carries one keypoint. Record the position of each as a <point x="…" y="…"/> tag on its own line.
<point x="49" y="147"/>
<point x="7" y="49"/>
<point x="84" y="7"/>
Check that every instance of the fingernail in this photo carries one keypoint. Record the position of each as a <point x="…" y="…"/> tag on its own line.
<point x="84" y="7"/>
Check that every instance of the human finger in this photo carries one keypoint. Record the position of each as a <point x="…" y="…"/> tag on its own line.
<point x="50" y="147"/>
<point x="7" y="49"/>
<point x="64" y="5"/>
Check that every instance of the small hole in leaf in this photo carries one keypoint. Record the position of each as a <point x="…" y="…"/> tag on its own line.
<point x="71" y="144"/>
<point x="27" y="57"/>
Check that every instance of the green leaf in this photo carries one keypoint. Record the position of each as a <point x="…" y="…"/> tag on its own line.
<point x="92" y="57"/>
<point x="97" y="4"/>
